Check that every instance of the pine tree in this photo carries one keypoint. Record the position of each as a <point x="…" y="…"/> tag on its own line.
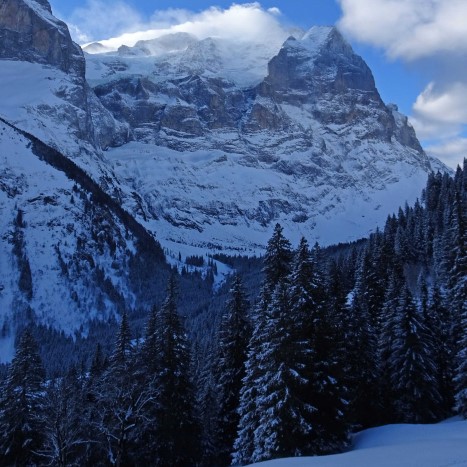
<point x="234" y="335"/>
<point x="361" y="335"/>
<point x="91" y="409"/>
<point x="385" y="345"/>
<point x="283" y="427"/>
<point x="22" y="402"/>
<point x="325" y="389"/>
<point x="207" y="410"/>
<point x="413" y="371"/>
<point x="120" y="358"/>
<point x="121" y="402"/>
<point x="457" y="249"/>
<point x="361" y="373"/>
<point x="458" y="289"/>
<point x="438" y="322"/>
<point x="461" y="370"/>
<point x="146" y="373"/>
<point x="277" y="263"/>
<point x="177" y="430"/>
<point x="278" y="258"/>
<point x="65" y="436"/>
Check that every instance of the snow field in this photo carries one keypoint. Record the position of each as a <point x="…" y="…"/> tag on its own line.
<point x="437" y="445"/>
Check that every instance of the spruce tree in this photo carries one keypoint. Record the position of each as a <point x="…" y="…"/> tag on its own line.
<point x="438" y="321"/>
<point x="458" y="290"/>
<point x="146" y="374"/>
<point x="385" y="345"/>
<point x="22" y="406"/>
<point x="413" y="371"/>
<point x="177" y="431"/>
<point x="121" y="402"/>
<point x="283" y="426"/>
<point x="325" y="389"/>
<point x="457" y="249"/>
<point x="65" y="429"/>
<point x="277" y="263"/>
<point x="361" y="336"/>
<point x="234" y="335"/>
<point x="461" y="369"/>
<point x="278" y="258"/>
<point x="361" y="375"/>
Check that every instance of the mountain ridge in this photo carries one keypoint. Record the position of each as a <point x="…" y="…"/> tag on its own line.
<point x="172" y="153"/>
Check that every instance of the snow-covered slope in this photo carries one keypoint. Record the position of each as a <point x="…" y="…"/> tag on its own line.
<point x="66" y="249"/>
<point x="439" y="445"/>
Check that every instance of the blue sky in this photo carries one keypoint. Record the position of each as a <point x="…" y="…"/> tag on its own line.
<point x="416" y="50"/>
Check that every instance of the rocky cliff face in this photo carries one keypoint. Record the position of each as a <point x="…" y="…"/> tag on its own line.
<point x="29" y="31"/>
<point x="40" y="57"/>
<point x="173" y="104"/>
<point x="305" y="139"/>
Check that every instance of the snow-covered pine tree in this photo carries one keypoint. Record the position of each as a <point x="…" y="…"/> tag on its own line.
<point x="121" y="356"/>
<point x="234" y="334"/>
<point x="121" y="403"/>
<point x="283" y="429"/>
<point x="386" y="338"/>
<point x="460" y="379"/>
<point x="278" y="259"/>
<point x="413" y="371"/>
<point x="277" y="263"/>
<point x="438" y="321"/>
<point x="91" y="409"/>
<point x="65" y="429"/>
<point x="458" y="291"/>
<point x="177" y="431"/>
<point x="361" y="373"/>
<point x="325" y="389"/>
<point x="22" y="406"/>
<point x="457" y="246"/>
<point x="146" y="373"/>
<point x="208" y="414"/>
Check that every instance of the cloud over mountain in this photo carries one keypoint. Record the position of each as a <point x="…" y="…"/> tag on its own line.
<point x="116" y="24"/>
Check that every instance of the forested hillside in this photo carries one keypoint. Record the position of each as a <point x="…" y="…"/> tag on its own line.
<point x="335" y="339"/>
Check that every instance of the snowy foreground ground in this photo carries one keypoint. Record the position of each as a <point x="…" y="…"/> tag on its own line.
<point x="440" y="445"/>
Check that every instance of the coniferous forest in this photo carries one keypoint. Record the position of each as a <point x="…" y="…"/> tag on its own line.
<point x="335" y="340"/>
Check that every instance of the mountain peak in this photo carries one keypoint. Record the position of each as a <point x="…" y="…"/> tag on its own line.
<point x="321" y="61"/>
<point x="319" y="34"/>
<point x="318" y="40"/>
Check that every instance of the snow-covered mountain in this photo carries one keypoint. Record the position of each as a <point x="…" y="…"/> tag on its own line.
<point x="229" y="138"/>
<point x="197" y="144"/>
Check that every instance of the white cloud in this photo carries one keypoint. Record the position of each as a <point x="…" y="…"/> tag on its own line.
<point x="114" y="24"/>
<point x="447" y="106"/>
<point x="440" y="118"/>
<point x="451" y="152"/>
<point x="428" y="129"/>
<point x="275" y="11"/>
<point x="408" y="29"/>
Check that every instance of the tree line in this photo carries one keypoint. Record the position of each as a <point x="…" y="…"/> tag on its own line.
<point x="336" y="340"/>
